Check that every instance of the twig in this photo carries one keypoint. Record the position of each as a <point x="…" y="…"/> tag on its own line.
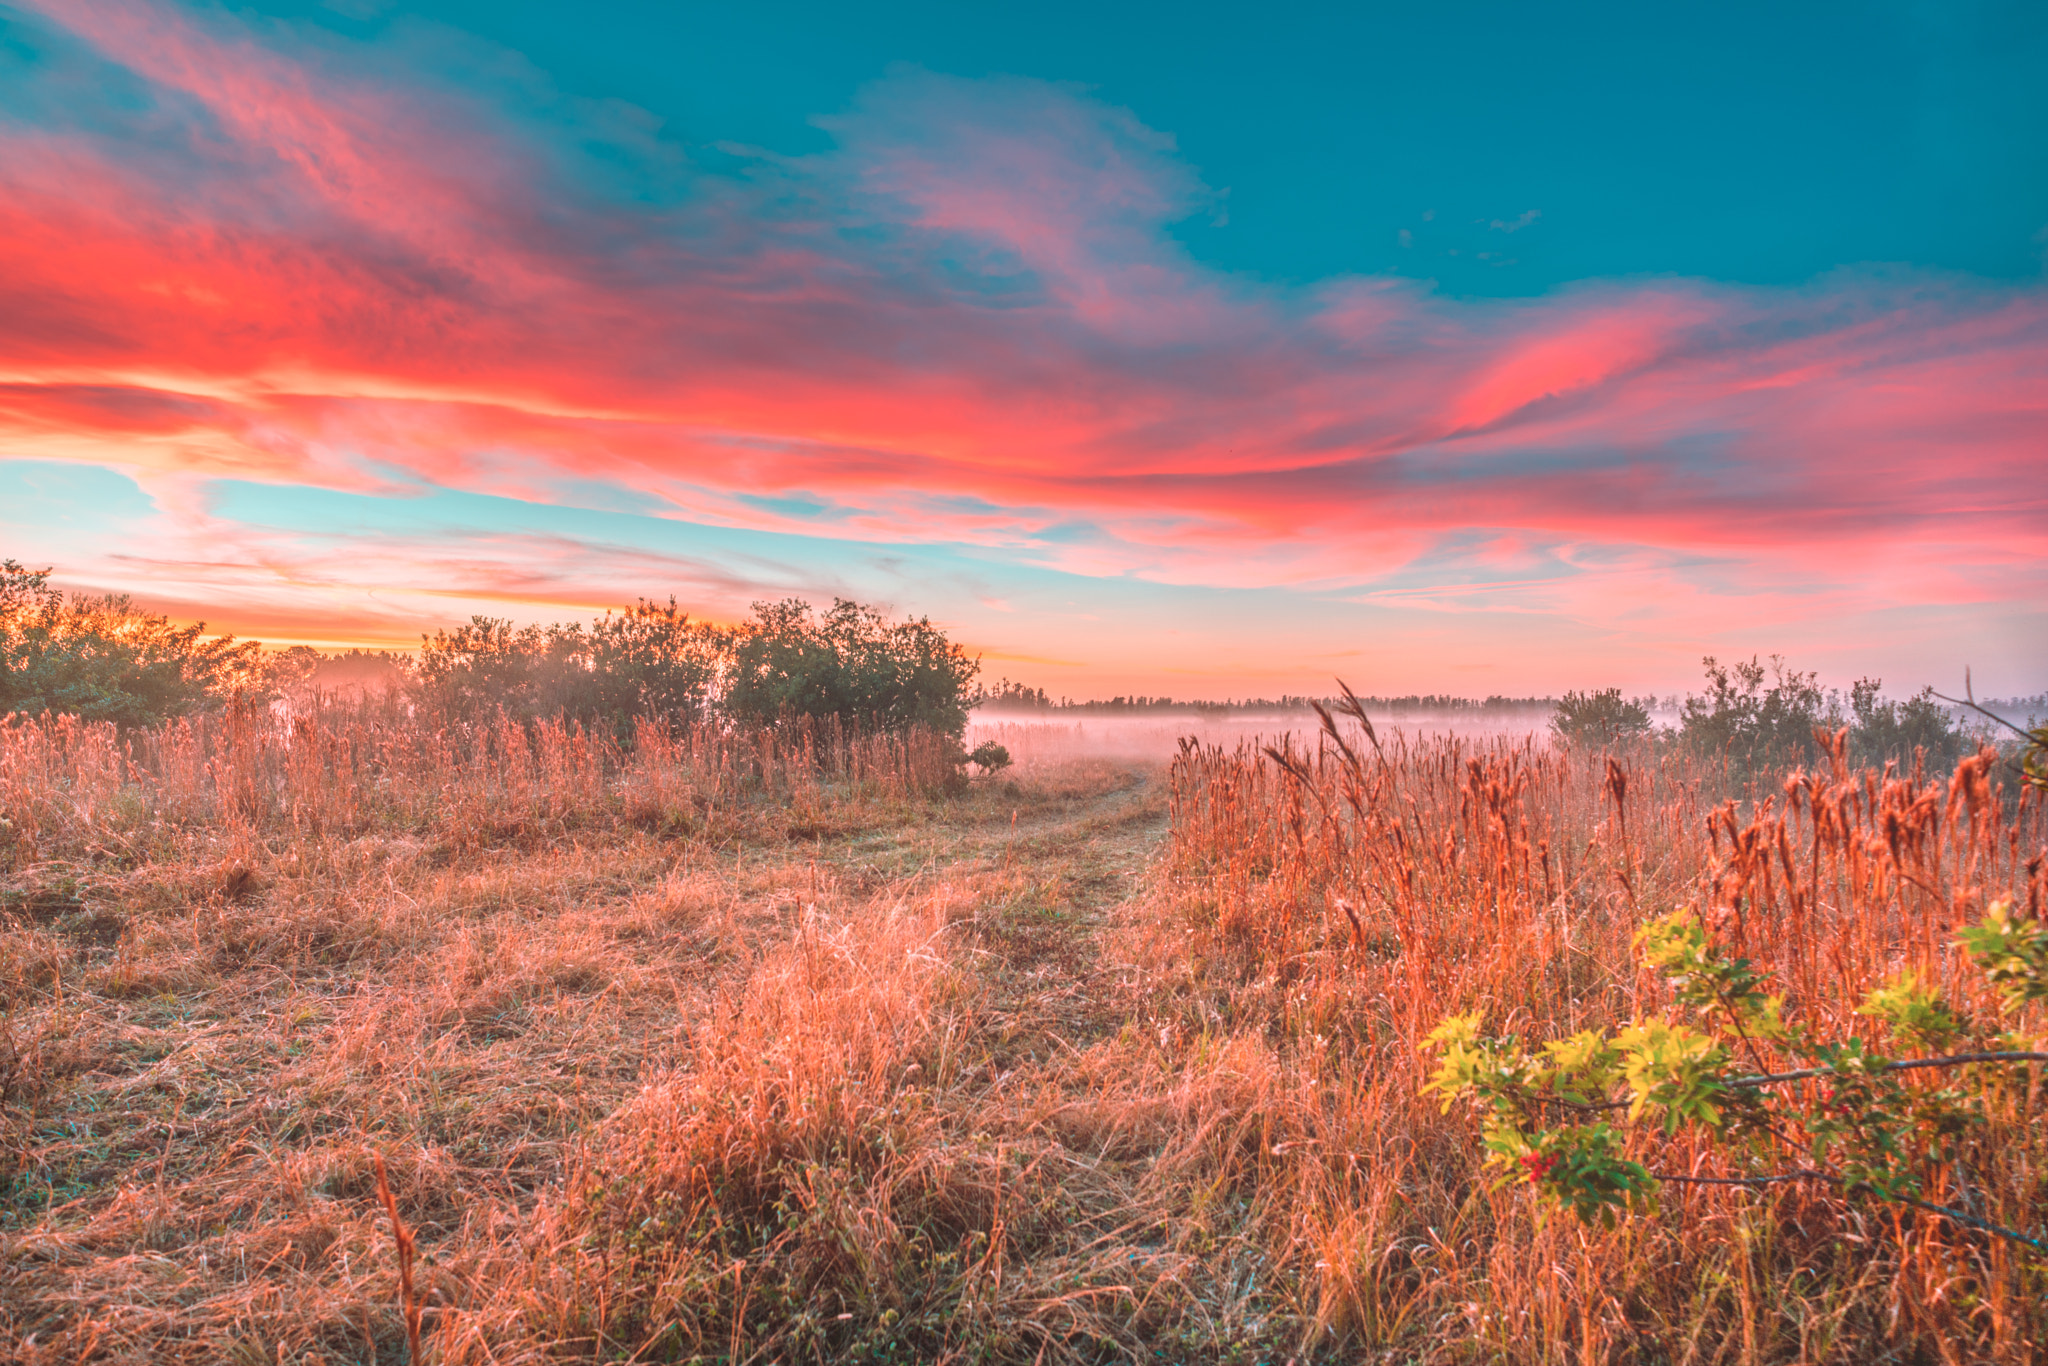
<point x="1947" y="1212"/>
<point x="1809" y="1074"/>
<point x="2032" y="737"/>
<point x="1971" y="703"/>
<point x="1905" y="1065"/>
<point x="403" y="1237"/>
<point x="1965" y="1217"/>
<point x="1747" y="1180"/>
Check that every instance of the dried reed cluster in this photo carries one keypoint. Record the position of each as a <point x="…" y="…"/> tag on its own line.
<point x="350" y="767"/>
<point x="1336" y="904"/>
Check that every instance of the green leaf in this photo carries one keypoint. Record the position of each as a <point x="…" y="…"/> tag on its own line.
<point x="1914" y="1010"/>
<point x="2012" y="952"/>
<point x="1675" y="1069"/>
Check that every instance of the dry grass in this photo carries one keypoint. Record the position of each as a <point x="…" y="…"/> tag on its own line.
<point x="717" y="1048"/>
<point x="1324" y="926"/>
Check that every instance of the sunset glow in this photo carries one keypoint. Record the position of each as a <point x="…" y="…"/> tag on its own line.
<point x="334" y="336"/>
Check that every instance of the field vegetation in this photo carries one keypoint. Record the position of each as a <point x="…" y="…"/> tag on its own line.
<point x="422" y="1025"/>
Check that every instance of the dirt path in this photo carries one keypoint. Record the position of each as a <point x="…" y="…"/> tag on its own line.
<point x="1051" y="870"/>
<point x="1044" y="958"/>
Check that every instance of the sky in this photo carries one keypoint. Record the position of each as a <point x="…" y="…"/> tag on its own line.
<point x="1198" y="350"/>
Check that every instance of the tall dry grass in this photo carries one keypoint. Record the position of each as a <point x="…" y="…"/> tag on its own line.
<point x="243" y="958"/>
<point x="346" y="767"/>
<point x="746" y="1048"/>
<point x="1329" y="908"/>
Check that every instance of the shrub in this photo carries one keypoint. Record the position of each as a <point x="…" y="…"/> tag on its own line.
<point x="990" y="757"/>
<point x="303" y="670"/>
<point x="1751" y="723"/>
<point x="105" y="659"/>
<point x="489" y="664"/>
<point x="644" y="661"/>
<point x="1599" y="718"/>
<point x="1896" y="730"/>
<point x="1785" y="1103"/>
<point x="850" y="663"/>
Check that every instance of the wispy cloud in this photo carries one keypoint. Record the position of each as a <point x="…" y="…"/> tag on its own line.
<point x="301" y="260"/>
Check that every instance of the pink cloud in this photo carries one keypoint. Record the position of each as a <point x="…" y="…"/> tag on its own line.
<point x="967" y="324"/>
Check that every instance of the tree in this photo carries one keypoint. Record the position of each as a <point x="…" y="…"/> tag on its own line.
<point x="1896" y="730"/>
<point x="1742" y="718"/>
<point x="106" y="659"/>
<point x="649" y="660"/>
<point x="489" y="665"/>
<point x="1008" y="696"/>
<point x="1599" y="718"/>
<point x="645" y="660"/>
<point x="850" y="663"/>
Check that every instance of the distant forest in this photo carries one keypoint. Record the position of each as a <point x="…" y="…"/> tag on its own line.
<point x="1016" y="697"/>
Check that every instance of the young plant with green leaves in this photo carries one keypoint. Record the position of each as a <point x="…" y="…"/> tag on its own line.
<point x="1850" y="1116"/>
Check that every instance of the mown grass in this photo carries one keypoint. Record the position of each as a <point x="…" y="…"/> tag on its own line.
<point x="718" y="1049"/>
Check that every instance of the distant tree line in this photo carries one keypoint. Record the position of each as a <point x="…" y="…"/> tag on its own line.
<point x="1018" y="698"/>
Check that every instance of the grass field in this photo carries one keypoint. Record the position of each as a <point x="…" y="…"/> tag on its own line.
<point x="751" y="1048"/>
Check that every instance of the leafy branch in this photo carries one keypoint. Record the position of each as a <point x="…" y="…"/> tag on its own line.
<point x="1864" y="1131"/>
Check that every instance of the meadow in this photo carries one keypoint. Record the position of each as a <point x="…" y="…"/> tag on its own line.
<point x="790" y="1044"/>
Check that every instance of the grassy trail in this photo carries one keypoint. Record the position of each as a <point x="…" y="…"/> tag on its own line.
<point x="1044" y="957"/>
<point x="196" y="1100"/>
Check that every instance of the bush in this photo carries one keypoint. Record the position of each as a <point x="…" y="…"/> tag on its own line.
<point x="488" y="664"/>
<point x="1897" y="730"/>
<point x="105" y="659"/>
<point x="1756" y="724"/>
<point x="643" y="661"/>
<point x="1751" y="723"/>
<point x="304" y="672"/>
<point x="1599" y="718"/>
<point x="990" y="757"/>
<point x="1785" y="1101"/>
<point x="849" y="663"/>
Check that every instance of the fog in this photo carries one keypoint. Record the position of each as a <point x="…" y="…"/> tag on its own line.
<point x="1035" y="740"/>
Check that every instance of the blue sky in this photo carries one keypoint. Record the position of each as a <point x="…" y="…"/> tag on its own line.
<point x="1760" y="143"/>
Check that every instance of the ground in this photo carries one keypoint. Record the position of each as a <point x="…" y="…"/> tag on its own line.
<point x="726" y="1052"/>
<point x="210" y="1049"/>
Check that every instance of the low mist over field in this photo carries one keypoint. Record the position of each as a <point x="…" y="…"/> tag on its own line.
<point x="1046" y="740"/>
<point x="1155" y="734"/>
